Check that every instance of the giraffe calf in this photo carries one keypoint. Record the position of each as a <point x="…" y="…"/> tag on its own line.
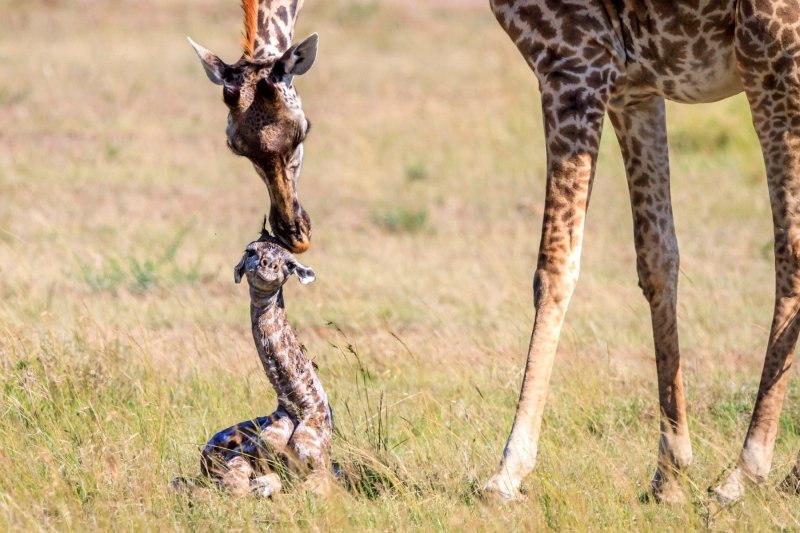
<point x="298" y="434"/>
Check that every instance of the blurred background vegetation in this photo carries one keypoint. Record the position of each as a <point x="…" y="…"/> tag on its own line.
<point x="125" y="344"/>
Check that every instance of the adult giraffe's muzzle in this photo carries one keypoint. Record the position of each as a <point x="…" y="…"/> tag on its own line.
<point x="290" y="223"/>
<point x="294" y="230"/>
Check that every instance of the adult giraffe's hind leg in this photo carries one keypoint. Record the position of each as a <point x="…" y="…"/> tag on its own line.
<point x="573" y="112"/>
<point x="768" y="56"/>
<point x="642" y="134"/>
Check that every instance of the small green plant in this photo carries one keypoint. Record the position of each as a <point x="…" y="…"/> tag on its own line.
<point x="416" y="171"/>
<point x="141" y="275"/>
<point x="402" y="220"/>
<point x="9" y="97"/>
<point x="362" y="9"/>
<point x="112" y="150"/>
<point x="107" y="277"/>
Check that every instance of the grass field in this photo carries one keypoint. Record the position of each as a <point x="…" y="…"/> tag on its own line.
<point x="125" y="343"/>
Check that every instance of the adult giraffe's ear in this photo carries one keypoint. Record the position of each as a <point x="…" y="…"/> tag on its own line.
<point x="304" y="274"/>
<point x="299" y="58"/>
<point x="238" y="270"/>
<point x="213" y="65"/>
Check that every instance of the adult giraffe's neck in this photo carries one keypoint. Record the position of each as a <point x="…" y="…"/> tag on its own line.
<point x="269" y="27"/>
<point x="289" y="371"/>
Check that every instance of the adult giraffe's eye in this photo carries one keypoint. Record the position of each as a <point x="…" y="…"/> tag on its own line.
<point x="230" y="94"/>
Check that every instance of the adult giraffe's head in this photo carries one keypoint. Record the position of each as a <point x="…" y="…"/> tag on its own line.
<point x="266" y="123"/>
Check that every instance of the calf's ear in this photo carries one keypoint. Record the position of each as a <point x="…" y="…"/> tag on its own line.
<point x="304" y="274"/>
<point x="238" y="270"/>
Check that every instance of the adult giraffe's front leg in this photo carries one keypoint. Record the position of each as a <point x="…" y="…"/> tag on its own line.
<point x="769" y="64"/>
<point x="573" y="116"/>
<point x="642" y="133"/>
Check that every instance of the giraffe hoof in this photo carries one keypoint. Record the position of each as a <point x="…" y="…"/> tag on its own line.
<point x="319" y="483"/>
<point x="667" y="490"/>
<point x="791" y="485"/>
<point x="729" y="491"/>
<point x="266" y="486"/>
<point x="502" y="488"/>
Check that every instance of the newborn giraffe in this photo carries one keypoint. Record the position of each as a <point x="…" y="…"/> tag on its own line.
<point x="298" y="433"/>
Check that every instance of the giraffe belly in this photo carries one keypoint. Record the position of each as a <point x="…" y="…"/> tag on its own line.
<point x="683" y="51"/>
<point x="706" y="81"/>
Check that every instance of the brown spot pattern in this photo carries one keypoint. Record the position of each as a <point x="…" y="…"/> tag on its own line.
<point x="298" y="434"/>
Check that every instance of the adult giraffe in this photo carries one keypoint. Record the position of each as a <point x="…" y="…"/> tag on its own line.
<point x="624" y="57"/>
<point x="266" y="122"/>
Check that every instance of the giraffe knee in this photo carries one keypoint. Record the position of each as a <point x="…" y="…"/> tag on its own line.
<point x="787" y="267"/>
<point x="236" y="476"/>
<point x="539" y="288"/>
<point x="553" y="285"/>
<point x="658" y="272"/>
<point x="305" y="456"/>
<point x="308" y="450"/>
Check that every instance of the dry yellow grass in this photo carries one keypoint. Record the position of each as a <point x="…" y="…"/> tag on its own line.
<point x="125" y="343"/>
